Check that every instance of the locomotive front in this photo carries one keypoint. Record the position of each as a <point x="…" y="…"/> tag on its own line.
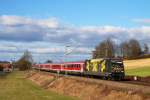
<point x="117" y="69"/>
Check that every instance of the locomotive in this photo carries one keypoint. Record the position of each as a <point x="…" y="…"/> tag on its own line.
<point x="107" y="68"/>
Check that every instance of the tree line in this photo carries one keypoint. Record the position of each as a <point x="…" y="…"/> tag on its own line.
<point x="130" y="49"/>
<point x="26" y="61"/>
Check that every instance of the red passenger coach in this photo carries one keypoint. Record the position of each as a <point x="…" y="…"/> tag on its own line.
<point x="56" y="67"/>
<point x="73" y="66"/>
<point x="62" y="67"/>
<point x="43" y="66"/>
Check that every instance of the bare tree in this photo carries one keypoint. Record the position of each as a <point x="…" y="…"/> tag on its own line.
<point x="25" y="62"/>
<point x="125" y="50"/>
<point x="49" y="61"/>
<point x="146" y="49"/>
<point x="130" y="49"/>
<point x="105" y="48"/>
<point x="135" y="48"/>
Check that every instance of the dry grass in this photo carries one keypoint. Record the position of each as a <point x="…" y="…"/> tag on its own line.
<point x="86" y="90"/>
<point x="89" y="91"/>
<point x="140" y="63"/>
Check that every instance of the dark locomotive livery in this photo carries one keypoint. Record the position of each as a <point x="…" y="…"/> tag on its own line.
<point x="107" y="68"/>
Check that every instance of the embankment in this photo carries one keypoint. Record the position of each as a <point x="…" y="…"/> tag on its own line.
<point x="89" y="89"/>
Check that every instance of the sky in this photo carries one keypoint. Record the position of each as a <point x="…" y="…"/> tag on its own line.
<point x="50" y="28"/>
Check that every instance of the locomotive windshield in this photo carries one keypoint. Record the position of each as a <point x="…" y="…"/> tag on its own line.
<point x="117" y="66"/>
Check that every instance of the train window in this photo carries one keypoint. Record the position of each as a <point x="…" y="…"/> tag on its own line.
<point x="76" y="66"/>
<point x="69" y="66"/>
<point x="9" y="66"/>
<point x="65" y="66"/>
<point x="46" y="66"/>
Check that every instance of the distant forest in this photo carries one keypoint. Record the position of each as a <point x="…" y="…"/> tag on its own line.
<point x="130" y="49"/>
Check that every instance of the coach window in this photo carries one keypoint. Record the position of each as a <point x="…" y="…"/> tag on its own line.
<point x="78" y="65"/>
<point x="69" y="66"/>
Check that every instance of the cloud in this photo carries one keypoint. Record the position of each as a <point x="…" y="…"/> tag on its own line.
<point x="41" y="51"/>
<point x="18" y="28"/>
<point x="19" y="20"/>
<point x="142" y="21"/>
<point x="51" y="35"/>
<point x="41" y="48"/>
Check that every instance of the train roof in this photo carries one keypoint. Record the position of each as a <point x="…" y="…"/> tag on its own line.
<point x="107" y="59"/>
<point x="78" y="62"/>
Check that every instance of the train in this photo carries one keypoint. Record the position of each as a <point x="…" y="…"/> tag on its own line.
<point x="6" y="67"/>
<point x="106" y="68"/>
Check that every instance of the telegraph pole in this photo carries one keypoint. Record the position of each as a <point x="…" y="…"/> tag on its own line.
<point x="66" y="56"/>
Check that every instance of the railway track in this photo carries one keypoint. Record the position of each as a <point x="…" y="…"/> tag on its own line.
<point x="137" y="83"/>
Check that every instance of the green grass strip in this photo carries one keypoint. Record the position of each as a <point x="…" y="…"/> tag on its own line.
<point x="144" y="71"/>
<point x="15" y="86"/>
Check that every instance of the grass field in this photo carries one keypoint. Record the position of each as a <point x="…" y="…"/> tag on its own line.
<point x="139" y="63"/>
<point x="15" y="87"/>
<point x="140" y="67"/>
